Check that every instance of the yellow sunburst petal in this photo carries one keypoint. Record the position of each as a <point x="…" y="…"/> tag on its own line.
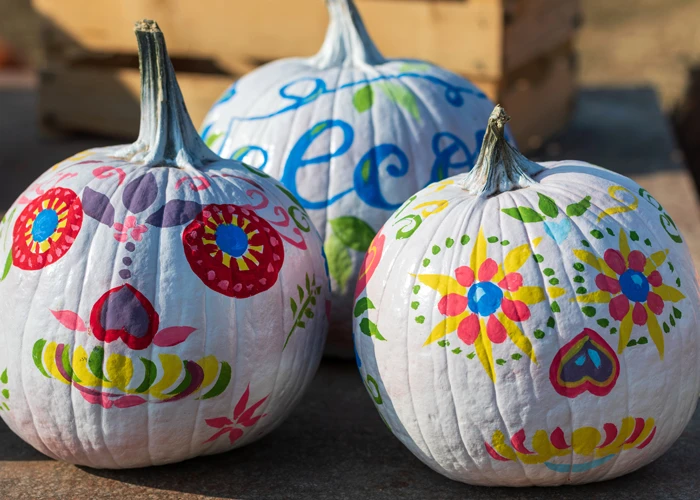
<point x="44" y="246"/>
<point x="482" y="345"/>
<point x="45" y="204"/>
<point x="252" y="234"/>
<point x="211" y="221"/>
<point x="210" y="367"/>
<point x="543" y="447"/>
<point x="62" y="208"/>
<point x="34" y="247"/>
<point x="55" y="236"/>
<point x="245" y="224"/>
<point x="441" y="283"/>
<point x="62" y="224"/>
<point x="500" y="444"/>
<point x="445" y="327"/>
<point x="225" y="259"/>
<point x="529" y="294"/>
<point x="624" y="245"/>
<point x="599" y="297"/>
<point x="648" y="427"/>
<point x="584" y="440"/>
<point x="172" y="369"/>
<point x="654" y="261"/>
<point x="516" y="258"/>
<point x="516" y="336"/>
<point x="625" y="331"/>
<point x="669" y="293"/>
<point x="209" y="230"/>
<point x="257" y="248"/>
<point x="28" y="233"/>
<point x="626" y="429"/>
<point x="250" y="257"/>
<point x="500" y="274"/>
<point x="595" y="262"/>
<point x="63" y="215"/>
<point x="655" y="332"/>
<point x="234" y="219"/>
<point x="222" y="218"/>
<point x="242" y="264"/>
<point x="555" y="291"/>
<point x="478" y="252"/>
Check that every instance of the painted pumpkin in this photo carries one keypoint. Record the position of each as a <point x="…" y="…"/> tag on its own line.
<point x="530" y="324"/>
<point x="159" y="302"/>
<point x="352" y="135"/>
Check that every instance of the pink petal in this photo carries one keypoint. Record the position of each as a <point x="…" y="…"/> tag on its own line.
<point x="70" y="320"/>
<point x="452" y="304"/>
<point x="136" y="235"/>
<point x="129" y="401"/>
<point x="121" y="237"/>
<point x="218" y="422"/>
<point x="174" y="335"/>
<point x="512" y="282"/>
<point x="607" y="284"/>
<point x="614" y="259"/>
<point x="465" y="276"/>
<point x="619" y="307"/>
<point x="468" y="329"/>
<point x="515" y="310"/>
<point x="118" y="226"/>
<point x="248" y="414"/>
<point x="495" y="330"/>
<point x="218" y="435"/>
<point x="639" y="314"/>
<point x="655" y="278"/>
<point x="130" y="221"/>
<point x="655" y="303"/>
<point x="234" y="435"/>
<point x="242" y="403"/>
<point x="488" y="270"/>
<point x="637" y="260"/>
<point x="251" y="421"/>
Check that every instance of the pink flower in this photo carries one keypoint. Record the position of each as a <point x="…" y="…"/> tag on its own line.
<point x="129" y="227"/>
<point x="242" y="416"/>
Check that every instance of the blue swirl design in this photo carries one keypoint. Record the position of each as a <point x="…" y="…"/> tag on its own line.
<point x="241" y="153"/>
<point x="366" y="175"/>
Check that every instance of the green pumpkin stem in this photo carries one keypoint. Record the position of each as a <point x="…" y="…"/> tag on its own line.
<point x="167" y="137"/>
<point x="500" y="167"/>
<point x="347" y="41"/>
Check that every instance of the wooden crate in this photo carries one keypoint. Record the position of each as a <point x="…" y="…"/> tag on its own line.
<point x="518" y="51"/>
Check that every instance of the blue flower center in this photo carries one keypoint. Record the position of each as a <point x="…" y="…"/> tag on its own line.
<point x="634" y="285"/>
<point x="44" y="225"/>
<point x="232" y="240"/>
<point x="484" y="298"/>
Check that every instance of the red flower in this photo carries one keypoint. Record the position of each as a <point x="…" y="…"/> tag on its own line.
<point x="129" y="226"/>
<point x="241" y="416"/>
<point x="46" y="229"/>
<point x="370" y="263"/>
<point x="233" y="250"/>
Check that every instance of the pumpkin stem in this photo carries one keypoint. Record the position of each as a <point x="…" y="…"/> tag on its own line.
<point x="167" y="137"/>
<point x="347" y="41"/>
<point x="500" y="167"/>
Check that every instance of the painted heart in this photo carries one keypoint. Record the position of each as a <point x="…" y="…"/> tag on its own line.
<point x="586" y="363"/>
<point x="558" y="230"/>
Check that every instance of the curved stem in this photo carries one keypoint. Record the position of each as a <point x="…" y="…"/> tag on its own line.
<point x="347" y="40"/>
<point x="500" y="167"/>
<point x="167" y="137"/>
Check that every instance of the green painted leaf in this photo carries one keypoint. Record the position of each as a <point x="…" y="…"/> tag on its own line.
<point x="212" y="138"/>
<point x="678" y="282"/>
<point x="464" y="239"/>
<point x="65" y="361"/>
<point x="415" y="305"/>
<point x="363" y="99"/>
<point x="420" y="319"/>
<point x="416" y="289"/>
<point x="581" y="290"/>
<point x="613" y="330"/>
<point x="547" y="206"/>
<point x="579" y="267"/>
<point x="666" y="327"/>
<point x="8" y="266"/>
<point x="37" y="352"/>
<point x="339" y="261"/>
<point x="516" y="356"/>
<point x="505" y="242"/>
<point x="597" y="234"/>
<point x="458" y="350"/>
<point x="309" y="313"/>
<point x="554" y="281"/>
<point x="293" y="305"/>
<point x="222" y="382"/>
<point x="577" y="209"/>
<point x="677" y="313"/>
<point x="642" y="340"/>
<point x="96" y="362"/>
<point x="631" y="343"/>
<point x="585" y="243"/>
<point x="634" y="236"/>
<point x="149" y="377"/>
<point x="449" y="242"/>
<point x="362" y="305"/>
<point x="673" y="321"/>
<point x="353" y="232"/>
<point x="370" y="329"/>
<point x="435" y="249"/>
<point x="426" y="262"/>
<point x="401" y="95"/>
<point x="443" y="343"/>
<point x="3" y="377"/>
<point x="524" y="214"/>
<point x="588" y="311"/>
<point x="301" y="292"/>
<point x="579" y="279"/>
<point x="539" y="257"/>
<point x="551" y="322"/>
<point x="548" y="271"/>
<point x="647" y="242"/>
<point x="492" y="239"/>
<point x="555" y="307"/>
<point x="184" y="385"/>
<point x="539" y="334"/>
<point x="500" y="361"/>
<point x="603" y="322"/>
<point x="471" y="355"/>
<point x="366" y="170"/>
<point x="6" y="393"/>
<point x="300" y="324"/>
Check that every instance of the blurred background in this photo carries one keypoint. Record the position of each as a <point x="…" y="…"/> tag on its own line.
<point x="614" y="83"/>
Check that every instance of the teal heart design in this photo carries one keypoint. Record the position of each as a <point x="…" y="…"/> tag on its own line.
<point x="558" y="230"/>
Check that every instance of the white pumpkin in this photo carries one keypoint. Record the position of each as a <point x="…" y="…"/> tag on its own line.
<point x="159" y="302"/>
<point x="530" y="324"/>
<point x="352" y="135"/>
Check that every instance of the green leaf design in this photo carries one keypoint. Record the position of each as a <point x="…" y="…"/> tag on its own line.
<point x="309" y="313"/>
<point x="3" y="377"/>
<point x="212" y="138"/>
<point x="293" y="305"/>
<point x="184" y="384"/>
<point x="524" y="214"/>
<point x="363" y="99"/>
<point x="8" y="266"/>
<point x="222" y="383"/>
<point x="301" y="292"/>
<point x="96" y="362"/>
<point x="339" y="261"/>
<point x="401" y="95"/>
<point x="588" y="311"/>
<point x="366" y="169"/>
<point x="370" y="329"/>
<point x="353" y="232"/>
<point x="37" y="352"/>
<point x="548" y="206"/>
<point x="362" y="305"/>
<point x="149" y="377"/>
<point x="577" y="209"/>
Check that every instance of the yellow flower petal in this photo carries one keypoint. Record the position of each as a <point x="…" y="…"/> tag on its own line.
<point x="529" y="294"/>
<point x="445" y="327"/>
<point x="595" y="262"/>
<point x="172" y="368"/>
<point x="669" y="293"/>
<point x="584" y="440"/>
<point x="441" y="283"/>
<point x="624" y="245"/>
<point x="120" y="370"/>
<point x="516" y="258"/>
<point x="517" y="337"/>
<point x="499" y="275"/>
<point x="599" y="297"/>
<point x="648" y="427"/>
<point x="655" y="331"/>
<point x="478" y="252"/>
<point x="555" y="291"/>
<point x="501" y="446"/>
<point x="625" y="331"/>
<point x="483" y="351"/>
<point x="626" y="429"/>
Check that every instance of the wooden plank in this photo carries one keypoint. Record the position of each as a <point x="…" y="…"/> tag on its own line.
<point x="107" y="101"/>
<point x="464" y="36"/>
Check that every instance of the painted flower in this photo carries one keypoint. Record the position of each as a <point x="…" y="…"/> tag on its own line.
<point x="233" y="250"/>
<point x="46" y="229"/>
<point x="243" y="416"/>
<point x="129" y="228"/>
<point x="484" y="301"/>
<point x="124" y="313"/>
<point x="630" y="283"/>
<point x="370" y="263"/>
